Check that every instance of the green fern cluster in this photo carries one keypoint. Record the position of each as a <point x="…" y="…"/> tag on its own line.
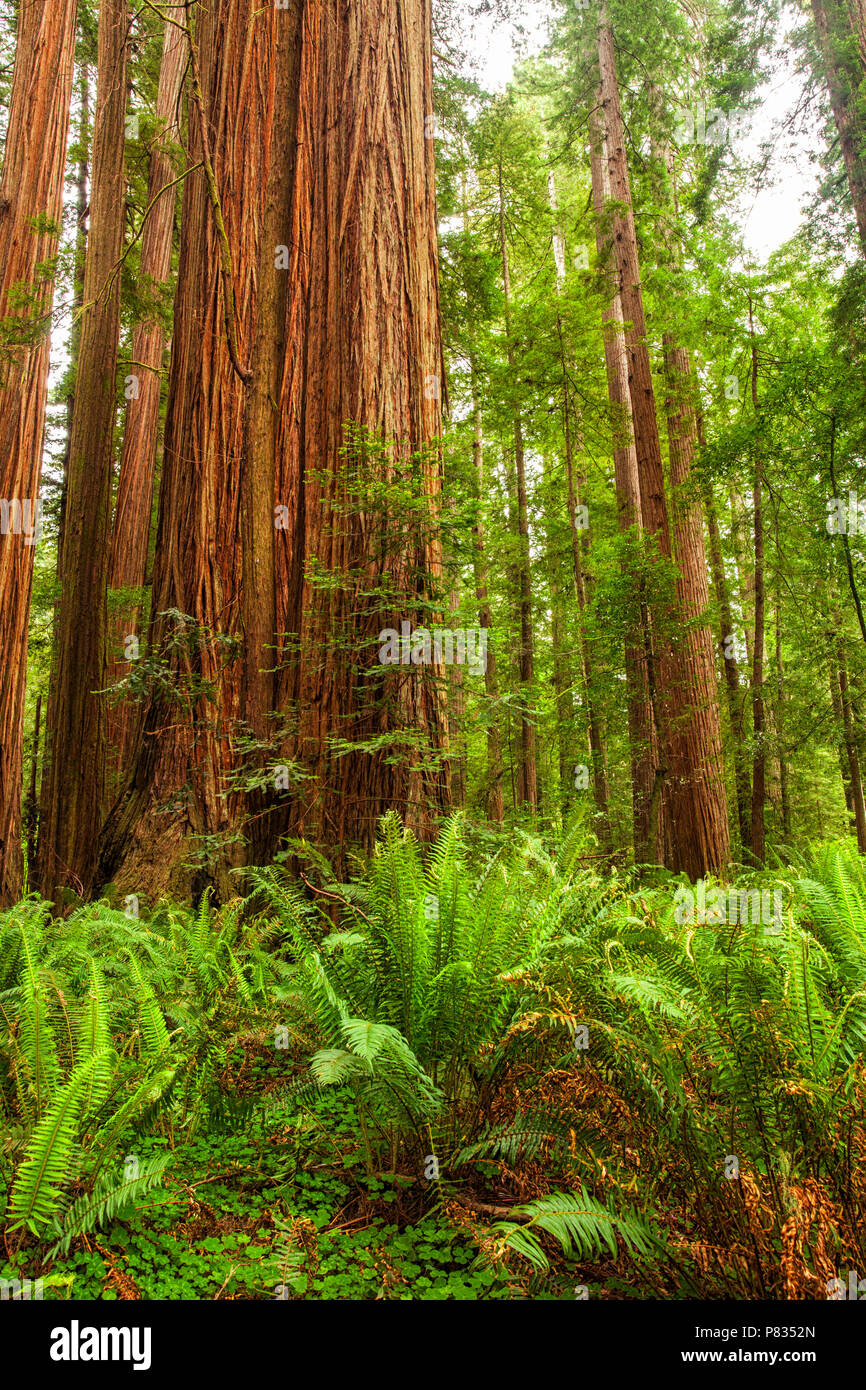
<point x="108" y="1023"/>
<point x="412" y="994"/>
<point x="727" y="1042"/>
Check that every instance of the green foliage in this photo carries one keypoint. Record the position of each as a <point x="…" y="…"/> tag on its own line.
<point x="581" y="1226"/>
<point x="411" y="995"/>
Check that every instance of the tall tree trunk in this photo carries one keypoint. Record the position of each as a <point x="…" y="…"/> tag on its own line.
<point x="361" y="406"/>
<point x="842" y="746"/>
<point x="856" y="782"/>
<point x="82" y="208"/>
<point x="528" y="785"/>
<point x="74" y="765"/>
<point x="697" y="758"/>
<point x="456" y="695"/>
<point x="562" y="683"/>
<point x="742" y="541"/>
<point x="178" y="823"/>
<point x="781" y="720"/>
<point x="494" y="799"/>
<point x="843" y="49"/>
<point x="134" y="504"/>
<point x="31" y="816"/>
<point x="261" y="426"/>
<point x="732" y="675"/>
<point x="598" y="750"/>
<point x="688" y="735"/>
<point x="642" y="734"/>
<point x="31" y="187"/>
<point x="758" y="721"/>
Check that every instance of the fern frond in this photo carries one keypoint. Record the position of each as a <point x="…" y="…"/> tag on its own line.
<point x="46" y="1167"/>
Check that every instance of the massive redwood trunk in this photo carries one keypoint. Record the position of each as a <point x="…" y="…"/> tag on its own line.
<point x="177" y="823"/>
<point x="31" y="187"/>
<point x="72" y="784"/>
<point x="291" y="400"/>
<point x="134" y="504"/>
<point x="361" y="412"/>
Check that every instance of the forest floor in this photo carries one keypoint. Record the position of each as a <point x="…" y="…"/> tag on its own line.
<point x="500" y="1077"/>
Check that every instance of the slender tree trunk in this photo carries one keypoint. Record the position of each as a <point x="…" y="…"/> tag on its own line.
<point x="843" y="49"/>
<point x="642" y="734"/>
<point x="32" y="808"/>
<point x="732" y="675"/>
<point x="493" y="798"/>
<point x="82" y="208"/>
<point x="781" y="721"/>
<point x="598" y="750"/>
<point x="31" y="187"/>
<point x="691" y="748"/>
<point x="495" y="807"/>
<point x="528" y="786"/>
<point x="697" y="756"/>
<point x="562" y="684"/>
<point x="456" y="698"/>
<point x="134" y="504"/>
<point x="758" y="721"/>
<point x="740" y="529"/>
<point x="842" y="746"/>
<point x="74" y="765"/>
<point x="856" y="782"/>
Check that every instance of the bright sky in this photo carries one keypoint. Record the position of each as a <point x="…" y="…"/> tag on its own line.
<point x="770" y="214"/>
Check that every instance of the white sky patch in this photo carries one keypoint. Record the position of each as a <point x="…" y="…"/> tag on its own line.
<point x="769" y="214"/>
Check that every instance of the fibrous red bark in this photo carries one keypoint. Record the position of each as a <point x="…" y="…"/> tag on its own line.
<point x="72" y="783"/>
<point x="31" y="188"/>
<point x="134" y="502"/>
<point x="361" y="409"/>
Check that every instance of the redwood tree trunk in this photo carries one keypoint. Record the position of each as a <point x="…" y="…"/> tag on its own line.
<point x="266" y="811"/>
<point x="598" y="751"/>
<point x="178" y="821"/>
<point x="843" y="49"/>
<point x="697" y="758"/>
<point x="494" y="799"/>
<point x="642" y="734"/>
<point x="759" y="762"/>
<point x="359" y="467"/>
<point x="134" y="504"/>
<point x="32" y="185"/>
<point x="732" y="675"/>
<point x="856" y="782"/>
<point x="72" y="783"/>
<point x="528" y="785"/>
<point x="692" y="754"/>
